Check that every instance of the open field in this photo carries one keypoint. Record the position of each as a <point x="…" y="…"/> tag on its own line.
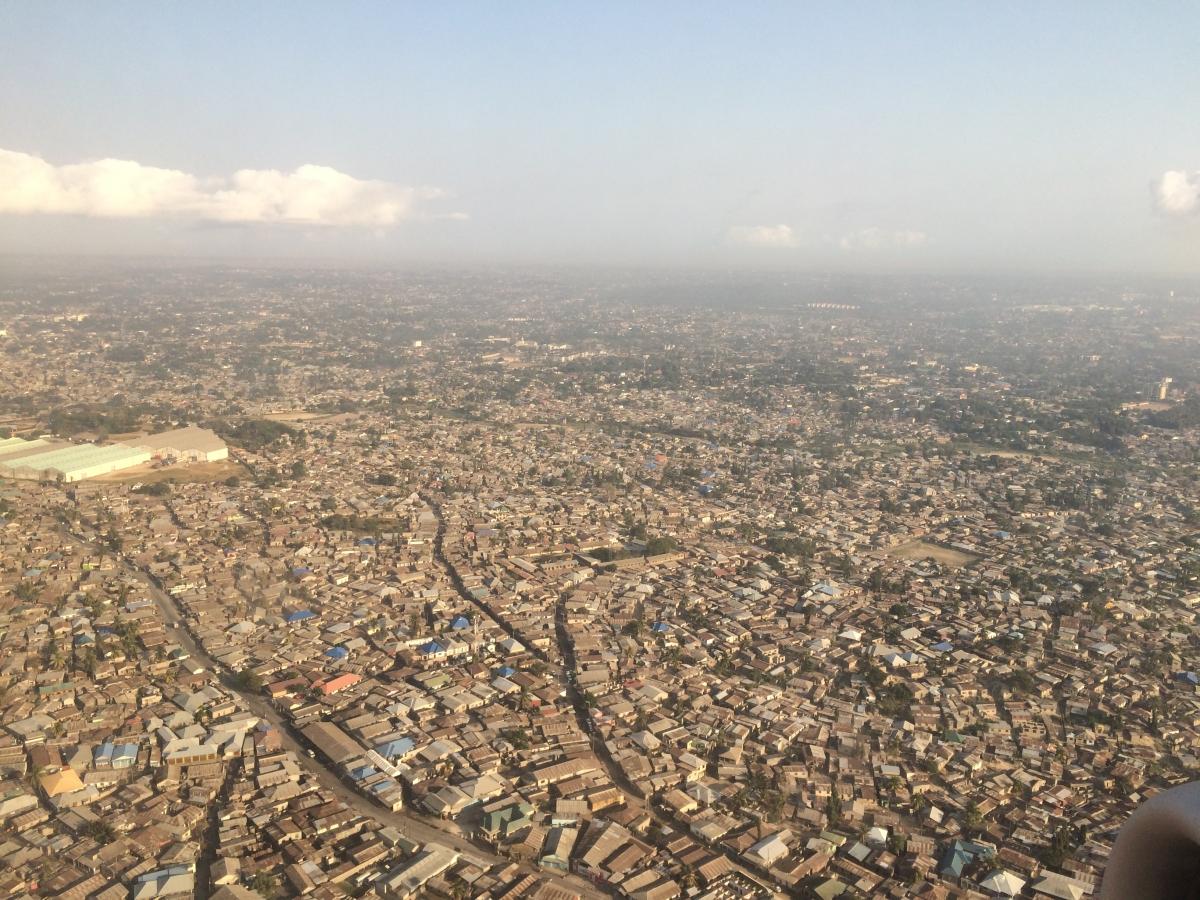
<point x="955" y="559"/>
<point x="981" y="450"/>
<point x="296" y="415"/>
<point x="196" y="473"/>
<point x="1151" y="405"/>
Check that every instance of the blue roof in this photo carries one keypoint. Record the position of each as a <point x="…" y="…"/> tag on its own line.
<point x="460" y="622"/>
<point x="954" y="861"/>
<point x="300" y="570"/>
<point x="958" y="856"/>
<point x="299" y="615"/>
<point x="432" y="647"/>
<point x="366" y="542"/>
<point x="660" y="627"/>
<point x="506" y="671"/>
<point x="943" y="646"/>
<point x="394" y="748"/>
<point x="337" y="652"/>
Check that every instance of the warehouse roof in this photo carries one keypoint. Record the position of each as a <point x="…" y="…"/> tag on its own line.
<point x="77" y="456"/>
<point x="190" y="438"/>
<point x="14" y="448"/>
<point x="333" y="742"/>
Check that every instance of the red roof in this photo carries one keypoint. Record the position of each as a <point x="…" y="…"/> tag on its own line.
<point x="333" y="685"/>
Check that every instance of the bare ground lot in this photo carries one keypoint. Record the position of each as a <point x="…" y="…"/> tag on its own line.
<point x="980" y="450"/>
<point x="955" y="559"/>
<point x="296" y="415"/>
<point x="196" y="473"/>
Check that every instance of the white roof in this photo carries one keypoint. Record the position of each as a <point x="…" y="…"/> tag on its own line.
<point x="189" y="438"/>
<point x="1054" y="884"/>
<point x="1002" y="882"/>
<point x="770" y="848"/>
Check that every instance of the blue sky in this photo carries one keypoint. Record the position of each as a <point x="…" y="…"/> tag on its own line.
<point x="841" y="135"/>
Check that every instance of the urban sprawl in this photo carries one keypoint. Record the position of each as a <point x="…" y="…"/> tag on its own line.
<point x="554" y="585"/>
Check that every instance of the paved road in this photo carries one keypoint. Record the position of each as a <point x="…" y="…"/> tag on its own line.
<point x="407" y="823"/>
<point x="567" y="651"/>
<point x="567" y="670"/>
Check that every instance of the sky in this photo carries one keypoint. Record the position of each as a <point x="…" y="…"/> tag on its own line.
<point x="924" y="136"/>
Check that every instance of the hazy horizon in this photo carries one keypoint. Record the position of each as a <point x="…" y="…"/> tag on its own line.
<point x="934" y="138"/>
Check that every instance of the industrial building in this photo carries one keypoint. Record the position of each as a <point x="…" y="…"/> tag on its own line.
<point x="191" y="443"/>
<point x="56" y="460"/>
<point x="337" y="746"/>
<point x="39" y="459"/>
<point x="407" y="879"/>
<point x="12" y="447"/>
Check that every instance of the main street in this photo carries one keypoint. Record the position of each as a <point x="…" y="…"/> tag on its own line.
<point x="407" y="823"/>
<point x="567" y="672"/>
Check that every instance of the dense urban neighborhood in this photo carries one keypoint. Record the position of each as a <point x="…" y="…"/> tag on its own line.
<point x="559" y="585"/>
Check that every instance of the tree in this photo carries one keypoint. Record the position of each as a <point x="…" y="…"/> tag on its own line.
<point x="265" y="884"/>
<point x="661" y="544"/>
<point x="877" y="582"/>
<point x="27" y="590"/>
<point x="774" y="802"/>
<point x="972" y="818"/>
<point x="833" y="808"/>
<point x="517" y="737"/>
<point x="155" y="489"/>
<point x="249" y="680"/>
<point x="100" y="831"/>
<point x="1063" y="841"/>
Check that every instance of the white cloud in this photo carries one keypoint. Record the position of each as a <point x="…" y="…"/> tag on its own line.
<point x="764" y="235"/>
<point x="878" y="239"/>
<point x="1177" y="193"/>
<point x="117" y="188"/>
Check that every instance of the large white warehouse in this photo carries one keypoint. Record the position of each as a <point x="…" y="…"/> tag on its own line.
<point x="68" y="462"/>
<point x="56" y="460"/>
<point x="191" y="443"/>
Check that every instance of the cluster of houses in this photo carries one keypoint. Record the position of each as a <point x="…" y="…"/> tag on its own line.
<point x="517" y="618"/>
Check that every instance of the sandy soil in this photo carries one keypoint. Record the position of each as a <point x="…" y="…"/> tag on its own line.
<point x="955" y="559"/>
<point x="196" y="473"/>
<point x="297" y="415"/>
